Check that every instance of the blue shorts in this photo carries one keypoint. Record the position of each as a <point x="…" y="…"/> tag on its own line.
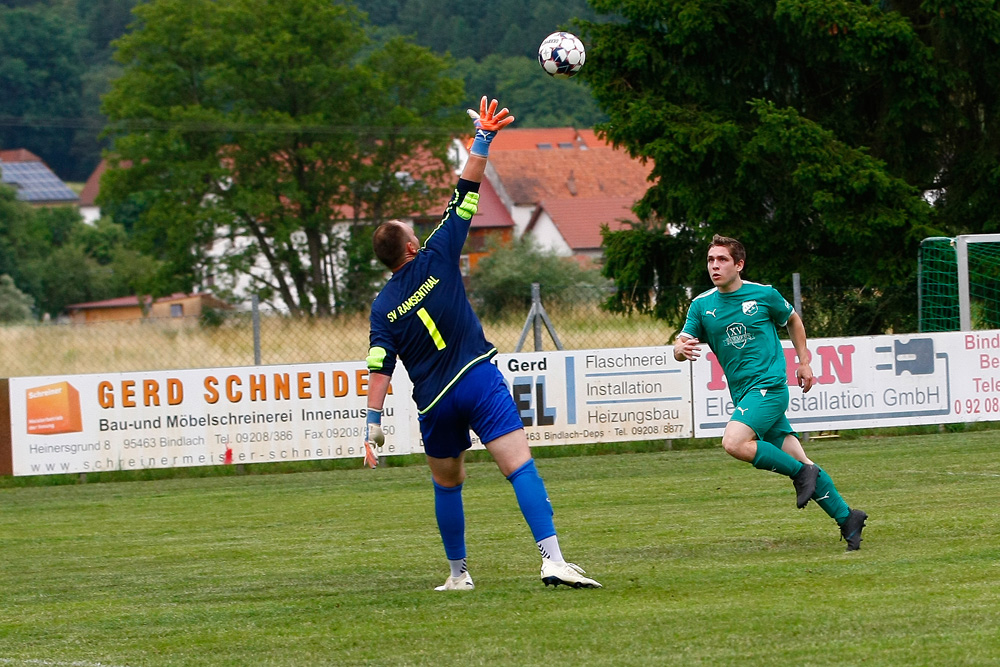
<point x="763" y="410"/>
<point x="480" y="401"/>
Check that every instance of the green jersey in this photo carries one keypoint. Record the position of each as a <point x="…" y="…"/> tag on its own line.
<point x="741" y="329"/>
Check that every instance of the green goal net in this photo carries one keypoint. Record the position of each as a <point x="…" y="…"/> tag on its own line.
<point x="959" y="283"/>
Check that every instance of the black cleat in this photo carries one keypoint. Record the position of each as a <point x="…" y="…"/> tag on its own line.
<point x="851" y="529"/>
<point x="805" y="484"/>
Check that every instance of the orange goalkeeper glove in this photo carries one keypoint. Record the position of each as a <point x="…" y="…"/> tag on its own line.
<point x="488" y="122"/>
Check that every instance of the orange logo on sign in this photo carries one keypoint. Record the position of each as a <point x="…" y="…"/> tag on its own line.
<point x="54" y="408"/>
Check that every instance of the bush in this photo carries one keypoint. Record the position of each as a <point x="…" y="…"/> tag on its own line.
<point x="15" y="305"/>
<point x="501" y="281"/>
<point x="212" y="318"/>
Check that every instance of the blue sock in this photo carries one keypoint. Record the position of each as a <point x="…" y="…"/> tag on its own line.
<point x="450" y="519"/>
<point x="533" y="500"/>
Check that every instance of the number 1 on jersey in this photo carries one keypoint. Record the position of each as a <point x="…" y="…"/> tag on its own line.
<point x="432" y="328"/>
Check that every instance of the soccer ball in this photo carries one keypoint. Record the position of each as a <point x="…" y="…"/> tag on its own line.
<point x="561" y="55"/>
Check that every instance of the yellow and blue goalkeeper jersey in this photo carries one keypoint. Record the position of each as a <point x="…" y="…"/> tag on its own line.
<point x="423" y="316"/>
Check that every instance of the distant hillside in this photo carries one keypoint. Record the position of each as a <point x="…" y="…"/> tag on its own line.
<point x="50" y="93"/>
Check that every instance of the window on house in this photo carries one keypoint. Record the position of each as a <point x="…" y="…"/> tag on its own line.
<point x="544" y="147"/>
<point x="177" y="310"/>
<point x="464" y="265"/>
<point x="566" y="144"/>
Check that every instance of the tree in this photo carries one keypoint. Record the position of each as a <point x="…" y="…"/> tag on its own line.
<point x="269" y="130"/>
<point x="536" y="99"/>
<point x="476" y="30"/>
<point x="81" y="263"/>
<point x="501" y="59"/>
<point x="105" y="21"/>
<point x="25" y="237"/>
<point x="40" y="83"/>
<point x="56" y="259"/>
<point x="829" y="136"/>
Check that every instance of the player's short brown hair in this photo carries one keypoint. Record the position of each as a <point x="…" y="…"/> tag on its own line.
<point x="389" y="243"/>
<point x="735" y="248"/>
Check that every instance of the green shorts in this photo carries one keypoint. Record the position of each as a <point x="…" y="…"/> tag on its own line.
<point x="763" y="410"/>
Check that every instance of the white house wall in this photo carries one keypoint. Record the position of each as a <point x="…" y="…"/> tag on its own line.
<point x="547" y="236"/>
<point x="521" y="215"/>
<point x="90" y="214"/>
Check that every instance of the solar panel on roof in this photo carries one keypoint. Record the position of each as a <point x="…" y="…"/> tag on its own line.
<point x="34" y="182"/>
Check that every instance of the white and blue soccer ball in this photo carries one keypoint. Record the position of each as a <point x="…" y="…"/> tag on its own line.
<point x="561" y="54"/>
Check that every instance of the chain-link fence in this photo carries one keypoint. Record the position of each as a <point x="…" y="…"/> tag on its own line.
<point x="161" y="344"/>
<point x="576" y="317"/>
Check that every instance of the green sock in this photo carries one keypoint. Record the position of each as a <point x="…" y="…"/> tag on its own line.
<point x="829" y="499"/>
<point x="771" y="458"/>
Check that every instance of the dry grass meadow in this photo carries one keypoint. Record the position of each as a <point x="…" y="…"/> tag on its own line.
<point x="72" y="349"/>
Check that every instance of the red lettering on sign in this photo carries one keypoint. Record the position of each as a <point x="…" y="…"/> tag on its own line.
<point x="832" y="363"/>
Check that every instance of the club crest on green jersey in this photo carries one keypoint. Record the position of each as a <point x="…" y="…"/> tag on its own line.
<point x="737" y="335"/>
<point x="749" y="307"/>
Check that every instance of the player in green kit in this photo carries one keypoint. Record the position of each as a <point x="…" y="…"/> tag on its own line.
<point x="739" y="321"/>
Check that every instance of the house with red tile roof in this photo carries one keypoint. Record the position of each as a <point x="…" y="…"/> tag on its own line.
<point x="560" y="185"/>
<point x="572" y="227"/>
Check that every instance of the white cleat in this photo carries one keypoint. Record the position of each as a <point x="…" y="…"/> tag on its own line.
<point x="462" y="582"/>
<point x="566" y="574"/>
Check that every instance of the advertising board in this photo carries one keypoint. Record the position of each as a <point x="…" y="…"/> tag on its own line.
<point x="259" y="414"/>
<point x="876" y="381"/>
<point x="159" y="419"/>
<point x="165" y="419"/>
<point x="607" y="395"/>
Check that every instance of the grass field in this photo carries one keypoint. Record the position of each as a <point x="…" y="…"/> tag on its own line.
<point x="704" y="560"/>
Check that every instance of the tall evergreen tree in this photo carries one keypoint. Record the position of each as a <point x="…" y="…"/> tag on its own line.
<point x="829" y="136"/>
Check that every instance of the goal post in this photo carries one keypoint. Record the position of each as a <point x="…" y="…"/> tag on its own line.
<point x="959" y="283"/>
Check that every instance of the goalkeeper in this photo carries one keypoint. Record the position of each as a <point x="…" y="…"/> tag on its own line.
<point x="739" y="319"/>
<point x="423" y="318"/>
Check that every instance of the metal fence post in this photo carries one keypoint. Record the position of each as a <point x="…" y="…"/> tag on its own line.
<point x="797" y="293"/>
<point x="797" y="304"/>
<point x="536" y="318"/>
<point x="255" y="310"/>
<point x="536" y="302"/>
